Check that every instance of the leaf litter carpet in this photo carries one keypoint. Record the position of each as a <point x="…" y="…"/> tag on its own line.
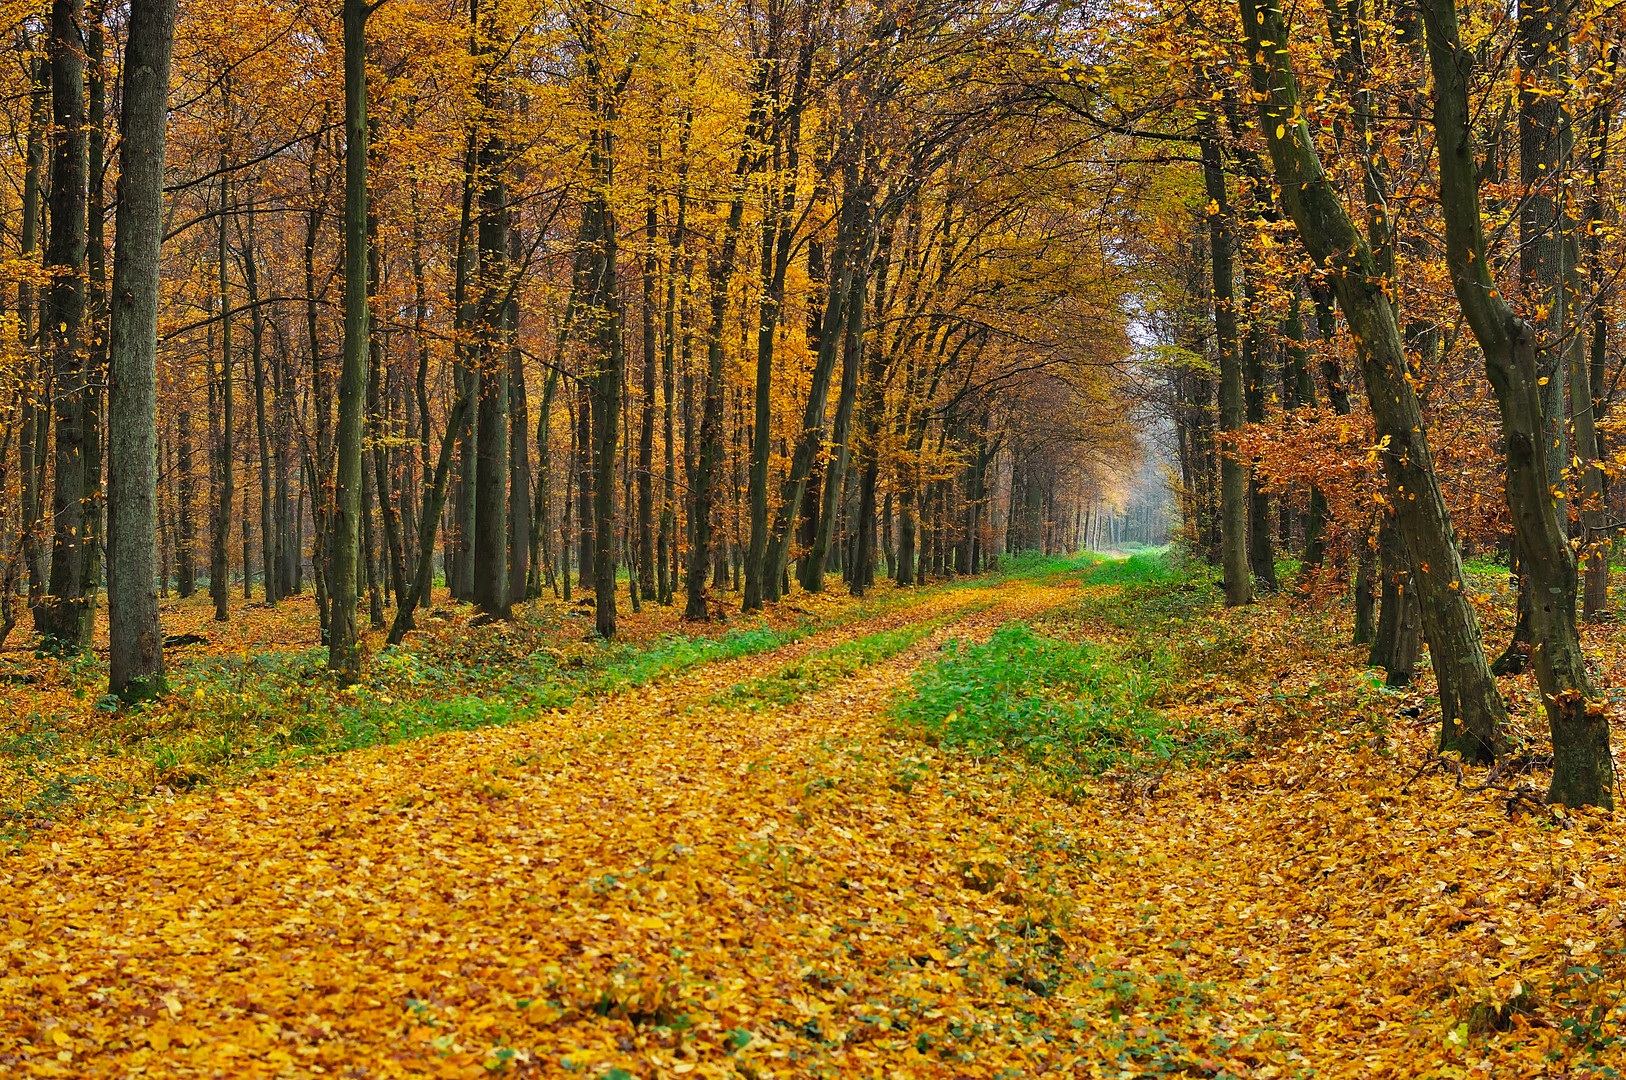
<point x="653" y="885"/>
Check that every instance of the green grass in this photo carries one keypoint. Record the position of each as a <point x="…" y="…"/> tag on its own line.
<point x="1141" y="568"/>
<point x="227" y="717"/>
<point x="1067" y="706"/>
<point x="1075" y="707"/>
<point x="791" y="682"/>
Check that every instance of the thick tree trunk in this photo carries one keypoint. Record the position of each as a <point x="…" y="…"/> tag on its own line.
<point x="65" y="616"/>
<point x="136" y="656"/>
<point x="96" y="369"/>
<point x="490" y="569"/>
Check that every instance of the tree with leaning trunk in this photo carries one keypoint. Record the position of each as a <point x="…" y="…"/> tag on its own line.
<point x="136" y="664"/>
<point x="1472" y="712"/>
<point x="1583" y="771"/>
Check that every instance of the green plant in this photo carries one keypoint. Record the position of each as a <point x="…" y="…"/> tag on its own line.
<point x="1068" y="707"/>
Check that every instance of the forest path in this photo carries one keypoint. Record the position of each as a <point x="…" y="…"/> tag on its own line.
<point x="649" y="881"/>
<point x="666" y="883"/>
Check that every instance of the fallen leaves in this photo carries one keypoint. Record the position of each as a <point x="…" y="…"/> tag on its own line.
<point x="649" y="885"/>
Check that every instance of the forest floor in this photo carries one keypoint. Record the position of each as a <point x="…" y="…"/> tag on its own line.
<point x="1075" y="820"/>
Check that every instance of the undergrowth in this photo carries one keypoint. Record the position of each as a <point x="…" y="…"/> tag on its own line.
<point x="1066" y="706"/>
<point x="1076" y="707"/>
<point x="790" y="682"/>
<point x="229" y="716"/>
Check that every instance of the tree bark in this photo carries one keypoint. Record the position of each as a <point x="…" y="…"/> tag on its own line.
<point x="34" y="413"/>
<point x="225" y="465"/>
<point x="1583" y="771"/>
<point x="491" y="582"/>
<point x="136" y="656"/>
<point x="268" y="525"/>
<point x="344" y="640"/>
<point x="1471" y="707"/>
<point x="519" y="453"/>
<point x="1233" y="474"/>
<point x="65" y="615"/>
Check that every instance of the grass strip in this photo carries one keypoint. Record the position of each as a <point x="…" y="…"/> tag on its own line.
<point x="228" y="717"/>
<point x="790" y="682"/>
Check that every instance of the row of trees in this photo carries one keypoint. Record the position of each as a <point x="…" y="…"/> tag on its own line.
<point x="1388" y="311"/>
<point x="528" y="293"/>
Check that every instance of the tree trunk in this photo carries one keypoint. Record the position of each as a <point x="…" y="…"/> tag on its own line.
<point x="65" y="615"/>
<point x="268" y="525"/>
<point x="225" y="466"/>
<point x="646" y="426"/>
<point x="96" y="370"/>
<point x="318" y="466"/>
<point x="490" y="568"/>
<point x="1583" y="772"/>
<point x="1233" y="474"/>
<point x="711" y="418"/>
<point x="35" y="411"/>
<point x="344" y="640"/>
<point x="136" y="656"/>
<point x="519" y="453"/>
<point x="185" y="526"/>
<point x="1261" y="552"/>
<point x="1471" y="708"/>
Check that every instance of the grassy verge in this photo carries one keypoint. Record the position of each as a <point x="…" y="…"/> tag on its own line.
<point x="1077" y="708"/>
<point x="66" y="750"/>
<point x="790" y="682"/>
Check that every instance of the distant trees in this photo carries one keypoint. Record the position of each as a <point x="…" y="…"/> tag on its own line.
<point x="529" y="299"/>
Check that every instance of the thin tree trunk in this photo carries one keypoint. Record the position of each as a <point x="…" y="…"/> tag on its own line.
<point x="1233" y="474"/>
<point x="519" y="454"/>
<point x="35" y="409"/>
<point x="219" y="573"/>
<point x="344" y="640"/>
<point x="268" y="526"/>
<point x="646" y="426"/>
